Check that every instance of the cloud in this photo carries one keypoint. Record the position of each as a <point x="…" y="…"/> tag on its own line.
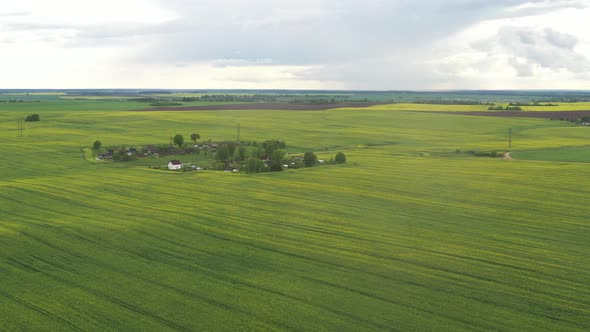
<point x="370" y="44"/>
<point x="540" y="7"/>
<point x="560" y="40"/>
<point x="528" y="48"/>
<point x="523" y="68"/>
<point x="15" y="14"/>
<point x="34" y="26"/>
<point x="311" y="32"/>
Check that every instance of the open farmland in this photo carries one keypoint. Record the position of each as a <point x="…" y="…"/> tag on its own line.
<point x="530" y="114"/>
<point x="572" y="154"/>
<point x="264" y="106"/>
<point x="409" y="235"/>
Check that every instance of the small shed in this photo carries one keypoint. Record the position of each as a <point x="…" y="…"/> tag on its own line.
<point x="174" y="164"/>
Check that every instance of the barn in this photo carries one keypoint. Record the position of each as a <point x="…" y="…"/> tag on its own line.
<point x="174" y="164"/>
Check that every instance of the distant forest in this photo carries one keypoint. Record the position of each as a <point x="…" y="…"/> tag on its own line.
<point x="472" y="97"/>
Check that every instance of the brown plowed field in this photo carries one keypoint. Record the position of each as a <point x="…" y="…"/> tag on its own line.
<point x="529" y="114"/>
<point x="262" y="106"/>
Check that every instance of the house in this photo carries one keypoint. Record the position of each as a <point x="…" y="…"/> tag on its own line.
<point x="231" y="169"/>
<point x="174" y="165"/>
<point x="107" y="155"/>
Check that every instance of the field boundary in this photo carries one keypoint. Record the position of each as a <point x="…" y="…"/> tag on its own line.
<point x="524" y="114"/>
<point x="263" y="106"/>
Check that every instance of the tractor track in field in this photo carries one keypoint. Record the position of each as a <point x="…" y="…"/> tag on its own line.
<point x="98" y="294"/>
<point x="40" y="310"/>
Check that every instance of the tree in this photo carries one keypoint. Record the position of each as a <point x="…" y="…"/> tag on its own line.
<point x="121" y="155"/>
<point x="309" y="159"/>
<point x="270" y="146"/>
<point x="254" y="165"/>
<point x="257" y="152"/>
<point x="178" y="140"/>
<point x="222" y="153"/>
<point x="33" y="117"/>
<point x="97" y="145"/>
<point x="277" y="160"/>
<point x="195" y="137"/>
<point x="340" y="158"/>
<point x="231" y="149"/>
<point x="242" y="153"/>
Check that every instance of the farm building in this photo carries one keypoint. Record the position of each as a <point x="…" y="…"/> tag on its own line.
<point x="174" y="164"/>
<point x="231" y="170"/>
<point x="105" y="156"/>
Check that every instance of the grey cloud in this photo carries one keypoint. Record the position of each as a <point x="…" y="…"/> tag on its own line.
<point x="344" y="40"/>
<point x="529" y="47"/>
<point x="312" y="32"/>
<point x="523" y="68"/>
<point x="302" y="32"/>
<point x="559" y="39"/>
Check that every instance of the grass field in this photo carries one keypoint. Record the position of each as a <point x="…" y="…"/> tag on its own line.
<point x="582" y="106"/>
<point x="407" y="236"/>
<point x="573" y="154"/>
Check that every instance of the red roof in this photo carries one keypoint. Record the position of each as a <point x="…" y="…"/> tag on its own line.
<point x="175" y="162"/>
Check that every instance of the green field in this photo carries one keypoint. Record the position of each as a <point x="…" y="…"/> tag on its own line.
<point x="572" y="154"/>
<point x="409" y="235"/>
<point x="582" y="106"/>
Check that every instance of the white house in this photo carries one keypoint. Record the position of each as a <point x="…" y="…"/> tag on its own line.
<point x="174" y="164"/>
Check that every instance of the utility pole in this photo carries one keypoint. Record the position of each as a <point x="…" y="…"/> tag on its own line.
<point x="510" y="138"/>
<point x="19" y="128"/>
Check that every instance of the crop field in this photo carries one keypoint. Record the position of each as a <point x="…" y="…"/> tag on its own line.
<point x="408" y="235"/>
<point x="573" y="154"/>
<point x="582" y="106"/>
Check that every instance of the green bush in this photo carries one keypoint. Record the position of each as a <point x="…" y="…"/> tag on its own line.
<point x="254" y="165"/>
<point x="340" y="158"/>
<point x="33" y="117"/>
<point x="309" y="159"/>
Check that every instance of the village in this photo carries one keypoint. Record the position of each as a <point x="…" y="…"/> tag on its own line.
<point x="233" y="157"/>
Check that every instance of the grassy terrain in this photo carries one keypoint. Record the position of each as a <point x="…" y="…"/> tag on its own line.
<point x="83" y="105"/>
<point x="582" y="106"/>
<point x="574" y="154"/>
<point x="407" y="236"/>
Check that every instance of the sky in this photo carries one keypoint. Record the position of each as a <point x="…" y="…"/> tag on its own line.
<point x="299" y="44"/>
